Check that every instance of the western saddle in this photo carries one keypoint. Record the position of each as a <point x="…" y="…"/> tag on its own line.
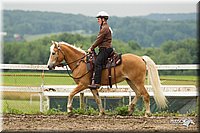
<point x="113" y="60"/>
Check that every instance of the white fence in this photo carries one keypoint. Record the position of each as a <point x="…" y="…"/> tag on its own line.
<point x="44" y="67"/>
<point x="169" y="90"/>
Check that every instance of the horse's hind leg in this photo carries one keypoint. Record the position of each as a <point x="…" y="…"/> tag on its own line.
<point x="135" y="99"/>
<point x="98" y="100"/>
<point x="146" y="98"/>
<point x="139" y="90"/>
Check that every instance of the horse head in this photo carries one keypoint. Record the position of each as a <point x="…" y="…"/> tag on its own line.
<point x="56" y="56"/>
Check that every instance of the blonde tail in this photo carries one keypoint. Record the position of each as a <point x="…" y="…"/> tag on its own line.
<point x="159" y="97"/>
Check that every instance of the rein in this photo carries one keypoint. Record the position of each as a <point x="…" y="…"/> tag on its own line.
<point x="80" y="59"/>
<point x="76" y="77"/>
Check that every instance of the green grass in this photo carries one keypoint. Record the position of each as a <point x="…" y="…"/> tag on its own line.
<point x="30" y="38"/>
<point x="24" y="107"/>
<point x="179" y="80"/>
<point x="35" y="79"/>
<point x="21" y="106"/>
<point x="39" y="36"/>
<point x="182" y="77"/>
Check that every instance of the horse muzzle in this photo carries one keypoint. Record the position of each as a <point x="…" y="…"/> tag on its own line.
<point x="51" y="67"/>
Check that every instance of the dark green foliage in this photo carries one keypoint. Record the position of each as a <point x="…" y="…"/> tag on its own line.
<point x="37" y="52"/>
<point x="122" y="110"/>
<point x="147" y="31"/>
<point x="166" y="42"/>
<point x="89" y="111"/>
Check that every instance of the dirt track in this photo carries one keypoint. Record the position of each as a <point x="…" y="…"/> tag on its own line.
<point x="83" y="123"/>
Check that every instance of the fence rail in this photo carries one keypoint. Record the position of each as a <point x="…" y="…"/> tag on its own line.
<point x="124" y="90"/>
<point x="169" y="90"/>
<point x="44" y="67"/>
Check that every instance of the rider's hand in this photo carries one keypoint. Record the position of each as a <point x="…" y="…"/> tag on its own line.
<point x="89" y="50"/>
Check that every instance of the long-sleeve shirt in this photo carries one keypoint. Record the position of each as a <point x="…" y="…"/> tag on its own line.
<point x="104" y="38"/>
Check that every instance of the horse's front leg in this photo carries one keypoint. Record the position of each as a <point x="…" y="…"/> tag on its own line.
<point x="98" y="100"/>
<point x="76" y="90"/>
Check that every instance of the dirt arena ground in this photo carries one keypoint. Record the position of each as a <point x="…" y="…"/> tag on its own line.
<point x="84" y="123"/>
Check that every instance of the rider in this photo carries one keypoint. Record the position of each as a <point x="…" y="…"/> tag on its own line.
<point x="104" y="43"/>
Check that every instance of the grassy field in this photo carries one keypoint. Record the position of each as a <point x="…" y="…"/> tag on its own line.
<point x="39" y="36"/>
<point x="19" y="102"/>
<point x="21" y="106"/>
<point x="36" y="79"/>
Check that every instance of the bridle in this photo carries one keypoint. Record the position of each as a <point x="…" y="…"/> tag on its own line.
<point x="67" y="64"/>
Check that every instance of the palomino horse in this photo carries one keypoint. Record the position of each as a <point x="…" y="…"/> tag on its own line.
<point x="132" y="69"/>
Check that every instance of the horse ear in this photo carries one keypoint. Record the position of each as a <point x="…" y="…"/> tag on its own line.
<point x="81" y="47"/>
<point x="56" y="44"/>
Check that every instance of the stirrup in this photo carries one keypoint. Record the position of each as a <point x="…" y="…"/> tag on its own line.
<point x="94" y="86"/>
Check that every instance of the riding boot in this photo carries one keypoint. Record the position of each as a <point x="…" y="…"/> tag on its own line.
<point x="99" y="62"/>
<point x="93" y="85"/>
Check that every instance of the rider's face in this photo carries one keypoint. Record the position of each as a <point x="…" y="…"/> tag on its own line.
<point x="99" y="20"/>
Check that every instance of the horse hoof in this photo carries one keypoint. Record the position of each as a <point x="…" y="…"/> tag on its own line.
<point x="148" y="115"/>
<point x="130" y="112"/>
<point x="69" y="114"/>
<point x="101" y="113"/>
<point x="69" y="109"/>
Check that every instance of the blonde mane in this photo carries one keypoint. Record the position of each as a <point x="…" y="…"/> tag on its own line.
<point x="74" y="47"/>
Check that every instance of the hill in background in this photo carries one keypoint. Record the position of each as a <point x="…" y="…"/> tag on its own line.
<point x="148" y="31"/>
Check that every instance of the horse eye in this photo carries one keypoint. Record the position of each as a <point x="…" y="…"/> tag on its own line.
<point x="53" y="53"/>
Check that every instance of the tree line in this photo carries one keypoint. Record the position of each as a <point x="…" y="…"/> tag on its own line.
<point x="37" y="52"/>
<point x="149" y="31"/>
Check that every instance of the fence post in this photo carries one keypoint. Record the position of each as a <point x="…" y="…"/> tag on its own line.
<point x="123" y="100"/>
<point x="82" y="101"/>
<point x="41" y="102"/>
<point x="129" y="97"/>
<point x="104" y="100"/>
